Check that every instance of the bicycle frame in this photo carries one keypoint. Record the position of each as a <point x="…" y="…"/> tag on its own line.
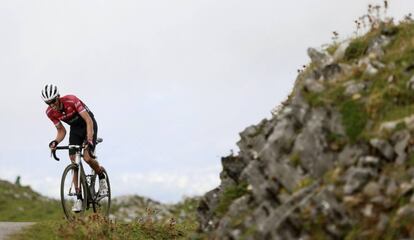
<point x="90" y="196"/>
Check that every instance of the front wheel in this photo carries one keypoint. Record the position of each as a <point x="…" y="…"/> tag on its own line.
<point x="102" y="203"/>
<point x="68" y="194"/>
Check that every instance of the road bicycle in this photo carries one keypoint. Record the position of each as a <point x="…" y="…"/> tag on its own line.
<point x="88" y="185"/>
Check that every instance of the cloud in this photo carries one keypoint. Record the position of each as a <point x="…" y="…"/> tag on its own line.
<point x="170" y="186"/>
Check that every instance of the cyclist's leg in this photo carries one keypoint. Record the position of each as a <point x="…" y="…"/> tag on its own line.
<point x="75" y="139"/>
<point x="93" y="163"/>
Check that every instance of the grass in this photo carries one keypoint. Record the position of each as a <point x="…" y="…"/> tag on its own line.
<point x="23" y="204"/>
<point x="45" y="230"/>
<point x="97" y="227"/>
<point x="354" y="118"/>
<point x="229" y="195"/>
<point x="356" y="49"/>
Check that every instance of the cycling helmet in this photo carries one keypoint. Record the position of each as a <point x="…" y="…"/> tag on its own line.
<point x="49" y="92"/>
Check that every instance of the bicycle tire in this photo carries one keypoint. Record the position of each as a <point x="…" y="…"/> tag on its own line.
<point x="66" y="198"/>
<point x="102" y="205"/>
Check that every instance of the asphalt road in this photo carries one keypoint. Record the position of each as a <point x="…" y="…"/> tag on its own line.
<point x="8" y="228"/>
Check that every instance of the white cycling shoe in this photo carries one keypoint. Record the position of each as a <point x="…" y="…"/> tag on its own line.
<point x="77" y="207"/>
<point x="103" y="188"/>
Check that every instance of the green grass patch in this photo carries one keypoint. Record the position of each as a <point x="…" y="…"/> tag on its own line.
<point x="229" y="195"/>
<point x="354" y="118"/>
<point x="357" y="48"/>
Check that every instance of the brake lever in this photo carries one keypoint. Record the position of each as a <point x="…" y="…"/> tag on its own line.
<point x="53" y="153"/>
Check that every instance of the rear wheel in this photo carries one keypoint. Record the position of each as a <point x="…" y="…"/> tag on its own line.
<point x="102" y="203"/>
<point x="68" y="194"/>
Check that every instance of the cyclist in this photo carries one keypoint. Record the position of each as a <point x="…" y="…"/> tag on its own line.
<point x="83" y="131"/>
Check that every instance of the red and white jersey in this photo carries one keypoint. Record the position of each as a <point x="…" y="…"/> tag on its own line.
<point x="69" y="114"/>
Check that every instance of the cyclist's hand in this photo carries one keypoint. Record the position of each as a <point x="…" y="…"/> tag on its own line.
<point x="53" y="144"/>
<point x="90" y="145"/>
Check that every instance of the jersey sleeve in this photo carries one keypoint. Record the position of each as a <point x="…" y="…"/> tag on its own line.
<point x="53" y="119"/>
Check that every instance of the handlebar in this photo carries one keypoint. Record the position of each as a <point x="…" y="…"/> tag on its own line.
<point x="99" y="140"/>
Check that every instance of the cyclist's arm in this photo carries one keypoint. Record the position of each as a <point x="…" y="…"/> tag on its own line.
<point x="89" y="125"/>
<point x="61" y="132"/>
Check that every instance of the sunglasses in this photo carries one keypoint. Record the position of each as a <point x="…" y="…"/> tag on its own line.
<point x="53" y="101"/>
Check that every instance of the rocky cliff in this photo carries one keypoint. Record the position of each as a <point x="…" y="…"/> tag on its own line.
<point x="336" y="160"/>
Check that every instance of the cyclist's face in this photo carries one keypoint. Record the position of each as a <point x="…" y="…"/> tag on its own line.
<point x="54" y="104"/>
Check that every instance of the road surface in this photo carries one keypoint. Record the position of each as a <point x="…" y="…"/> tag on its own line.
<point x="8" y="228"/>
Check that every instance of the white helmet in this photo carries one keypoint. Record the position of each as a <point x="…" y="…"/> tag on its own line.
<point x="49" y="92"/>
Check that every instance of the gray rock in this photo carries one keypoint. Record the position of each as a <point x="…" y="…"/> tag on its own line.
<point x="319" y="58"/>
<point x="226" y="180"/>
<point x="237" y="209"/>
<point x="372" y="189"/>
<point x="378" y="64"/>
<point x="254" y="137"/>
<point x="392" y="188"/>
<point x="288" y="176"/>
<point x="350" y="154"/>
<point x="330" y="71"/>
<point x="382" y="222"/>
<point x="313" y="86"/>
<point x="282" y="213"/>
<point x="340" y="51"/>
<point x="401" y="140"/>
<point x="332" y="208"/>
<point x="334" y="123"/>
<point x="367" y="211"/>
<point x="281" y="137"/>
<point x="205" y="210"/>
<point x="356" y="178"/>
<point x="405" y="212"/>
<point x="383" y="147"/>
<point x="311" y="145"/>
<point x="369" y="161"/>
<point x="233" y="166"/>
<point x="353" y="88"/>
<point x="380" y="200"/>
<point x="410" y="172"/>
<point x="370" y="70"/>
<point x="406" y="188"/>
<point x="300" y="115"/>
<point x="410" y="83"/>
<point x="255" y="177"/>
<point x="377" y="44"/>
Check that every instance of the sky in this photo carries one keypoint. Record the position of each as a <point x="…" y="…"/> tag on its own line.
<point x="171" y="83"/>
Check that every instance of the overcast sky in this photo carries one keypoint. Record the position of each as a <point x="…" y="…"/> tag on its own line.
<point x="171" y="82"/>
